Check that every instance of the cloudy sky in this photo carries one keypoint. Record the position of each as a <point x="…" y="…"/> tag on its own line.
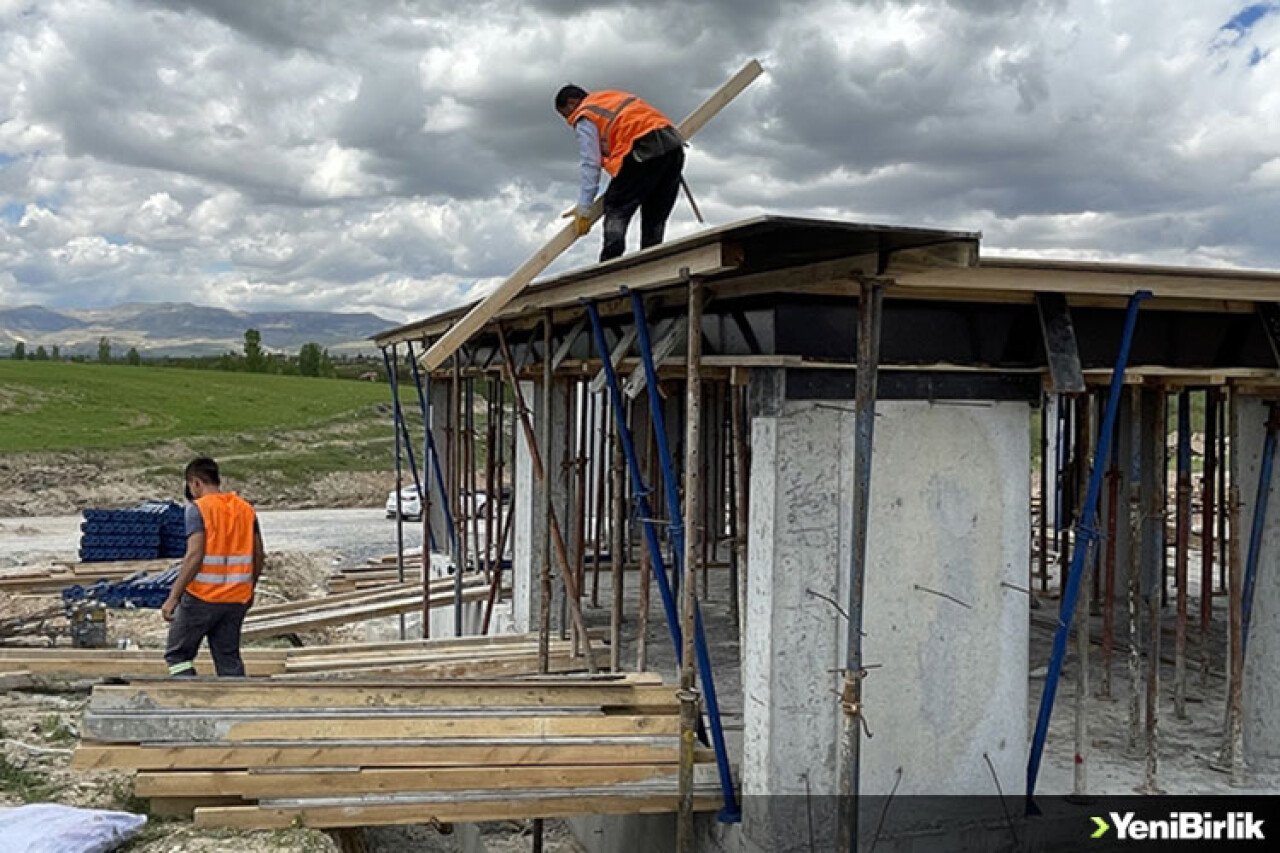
<point x="396" y="155"/>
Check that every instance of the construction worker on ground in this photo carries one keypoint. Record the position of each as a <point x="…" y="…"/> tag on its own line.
<point x="640" y="149"/>
<point x="214" y="588"/>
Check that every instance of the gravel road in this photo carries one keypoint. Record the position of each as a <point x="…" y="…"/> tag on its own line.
<point x="355" y="534"/>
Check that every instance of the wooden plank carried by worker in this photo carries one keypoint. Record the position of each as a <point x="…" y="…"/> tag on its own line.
<point x="483" y="312"/>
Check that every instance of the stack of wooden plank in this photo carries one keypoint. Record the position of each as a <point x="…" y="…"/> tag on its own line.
<point x="378" y="571"/>
<point x="386" y="600"/>
<point x="56" y="577"/>
<point x="504" y="655"/>
<point x="272" y="754"/>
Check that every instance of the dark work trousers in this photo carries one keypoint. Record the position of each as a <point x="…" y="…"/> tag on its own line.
<point x="651" y="186"/>
<point x="196" y="619"/>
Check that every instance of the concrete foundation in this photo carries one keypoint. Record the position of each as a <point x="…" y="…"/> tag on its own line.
<point x="946" y="614"/>
<point x="1262" y="657"/>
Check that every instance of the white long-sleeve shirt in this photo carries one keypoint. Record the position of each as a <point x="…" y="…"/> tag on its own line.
<point x="589" y="170"/>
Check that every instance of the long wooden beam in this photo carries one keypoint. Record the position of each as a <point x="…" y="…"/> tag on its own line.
<point x="608" y="751"/>
<point x="478" y="316"/>
<point x="353" y="612"/>
<point x="449" y="809"/>
<point x="265" y="784"/>
<point x="557" y="692"/>
<point x="1027" y="278"/>
<point x="506" y="723"/>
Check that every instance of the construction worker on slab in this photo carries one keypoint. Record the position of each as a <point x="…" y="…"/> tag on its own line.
<point x="214" y="588"/>
<point x="640" y="149"/>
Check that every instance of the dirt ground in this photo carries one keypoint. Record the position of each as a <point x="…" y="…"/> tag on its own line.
<point x="60" y="483"/>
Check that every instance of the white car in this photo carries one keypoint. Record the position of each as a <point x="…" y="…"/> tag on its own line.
<point x="410" y="503"/>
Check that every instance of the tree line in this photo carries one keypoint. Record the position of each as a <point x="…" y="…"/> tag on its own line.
<point x="311" y="360"/>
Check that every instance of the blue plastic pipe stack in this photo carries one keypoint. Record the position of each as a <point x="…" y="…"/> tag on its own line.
<point x="140" y="590"/>
<point x="146" y="532"/>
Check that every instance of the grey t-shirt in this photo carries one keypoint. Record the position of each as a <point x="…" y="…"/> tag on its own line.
<point x="195" y="521"/>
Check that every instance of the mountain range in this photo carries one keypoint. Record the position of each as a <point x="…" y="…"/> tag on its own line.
<point x="182" y="329"/>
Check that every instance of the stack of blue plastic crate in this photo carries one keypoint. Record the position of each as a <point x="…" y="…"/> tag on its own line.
<point x="145" y="532"/>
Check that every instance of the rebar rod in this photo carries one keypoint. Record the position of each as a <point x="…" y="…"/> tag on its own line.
<point x="1157" y="424"/>
<point x="616" y="567"/>
<point x="1109" y="585"/>
<point x="1182" y="547"/>
<point x="457" y="466"/>
<point x="1044" y="493"/>
<point x="1137" y="526"/>
<point x="600" y="482"/>
<point x="1080" y="772"/>
<point x="1208" y="501"/>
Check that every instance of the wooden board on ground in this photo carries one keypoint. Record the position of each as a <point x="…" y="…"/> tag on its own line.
<point x="267" y="783"/>
<point x="513" y="654"/>
<point x="169" y="728"/>
<point x="355" y="753"/>
<point x="559" y="692"/>
<point x="576" y="751"/>
<point x="512" y="806"/>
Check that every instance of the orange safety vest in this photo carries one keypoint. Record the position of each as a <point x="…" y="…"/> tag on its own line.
<point x="621" y="118"/>
<point x="226" y="575"/>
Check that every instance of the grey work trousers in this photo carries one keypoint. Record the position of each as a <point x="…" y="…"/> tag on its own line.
<point x="193" y="621"/>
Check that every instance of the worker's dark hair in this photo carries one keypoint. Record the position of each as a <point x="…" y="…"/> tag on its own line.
<point x="567" y="94"/>
<point x="203" y="469"/>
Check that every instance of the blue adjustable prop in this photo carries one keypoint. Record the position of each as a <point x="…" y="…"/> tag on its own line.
<point x="431" y="448"/>
<point x="1086" y="537"/>
<point x="730" y="813"/>
<point x="400" y="423"/>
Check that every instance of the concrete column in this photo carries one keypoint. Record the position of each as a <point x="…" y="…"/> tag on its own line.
<point x="946" y="640"/>
<point x="1262" y="656"/>
<point x="530" y="534"/>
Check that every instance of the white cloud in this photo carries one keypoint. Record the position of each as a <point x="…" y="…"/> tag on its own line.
<point x="402" y="158"/>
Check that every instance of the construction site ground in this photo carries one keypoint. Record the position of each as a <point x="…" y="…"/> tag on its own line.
<point x="40" y="726"/>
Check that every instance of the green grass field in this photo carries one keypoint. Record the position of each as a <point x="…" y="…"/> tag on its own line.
<point x="56" y="406"/>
